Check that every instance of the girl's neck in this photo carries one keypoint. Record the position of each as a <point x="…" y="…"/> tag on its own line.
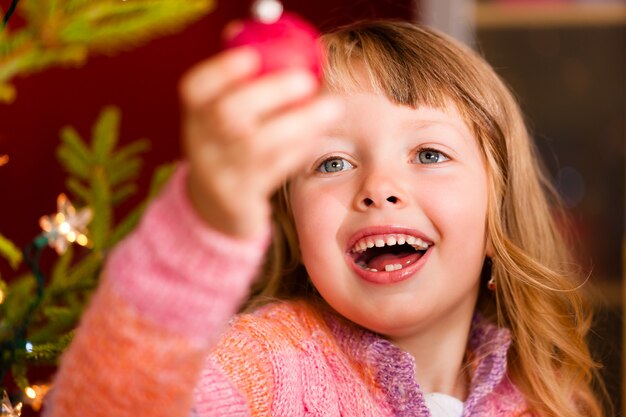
<point x="440" y="356"/>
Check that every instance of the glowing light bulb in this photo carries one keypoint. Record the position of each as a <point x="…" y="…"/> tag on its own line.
<point x="30" y="393"/>
<point x="82" y="240"/>
<point x="64" y="228"/>
<point x="71" y="236"/>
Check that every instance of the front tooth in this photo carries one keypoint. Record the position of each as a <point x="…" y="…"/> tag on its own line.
<point x="401" y="239"/>
<point x="370" y="243"/>
<point x="391" y="241"/>
<point x="379" y="243"/>
<point x="410" y="240"/>
<point x="372" y="269"/>
<point x="397" y="267"/>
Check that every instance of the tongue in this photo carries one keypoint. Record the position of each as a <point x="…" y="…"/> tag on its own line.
<point x="380" y="261"/>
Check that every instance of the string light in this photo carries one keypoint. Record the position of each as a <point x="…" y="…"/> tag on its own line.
<point x="7" y="409"/>
<point x="35" y="395"/>
<point x="66" y="226"/>
<point x="30" y="393"/>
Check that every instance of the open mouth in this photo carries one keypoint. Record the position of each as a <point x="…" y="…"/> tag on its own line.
<point x="388" y="252"/>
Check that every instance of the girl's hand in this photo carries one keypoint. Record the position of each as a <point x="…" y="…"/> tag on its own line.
<point x="243" y="136"/>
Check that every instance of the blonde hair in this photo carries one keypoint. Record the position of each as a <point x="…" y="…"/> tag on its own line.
<point x="536" y="294"/>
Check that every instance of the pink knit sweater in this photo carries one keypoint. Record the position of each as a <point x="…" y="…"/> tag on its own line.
<point x="156" y="340"/>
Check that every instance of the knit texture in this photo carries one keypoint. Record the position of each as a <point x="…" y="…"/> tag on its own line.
<point x="293" y="359"/>
<point x="156" y="340"/>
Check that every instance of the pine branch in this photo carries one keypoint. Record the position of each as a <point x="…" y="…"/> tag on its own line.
<point x="101" y="206"/>
<point x="74" y="149"/>
<point x="18" y="371"/>
<point x="61" y="267"/>
<point x="160" y="177"/>
<point x="65" y="33"/>
<point x="10" y="252"/>
<point x="123" y="193"/>
<point x="125" y="163"/>
<point x="48" y="353"/>
<point x="78" y="189"/>
<point x="105" y="134"/>
<point x="100" y="175"/>
<point x="17" y="299"/>
<point x="85" y="271"/>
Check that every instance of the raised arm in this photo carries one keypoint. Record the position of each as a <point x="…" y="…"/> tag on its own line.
<point x="170" y="288"/>
<point x="167" y="293"/>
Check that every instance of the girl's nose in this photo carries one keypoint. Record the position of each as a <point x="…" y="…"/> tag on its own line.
<point x="380" y="192"/>
<point x="392" y="199"/>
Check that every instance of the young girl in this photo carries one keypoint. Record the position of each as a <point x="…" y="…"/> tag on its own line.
<point x="415" y="266"/>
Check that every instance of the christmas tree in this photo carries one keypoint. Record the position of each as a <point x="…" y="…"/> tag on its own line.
<point x="38" y="313"/>
<point x="40" y="309"/>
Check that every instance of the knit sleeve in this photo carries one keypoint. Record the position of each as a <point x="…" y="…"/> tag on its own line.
<point x="167" y="293"/>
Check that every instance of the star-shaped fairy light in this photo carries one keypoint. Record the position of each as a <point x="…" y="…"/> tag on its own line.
<point x="66" y="226"/>
<point x="7" y="408"/>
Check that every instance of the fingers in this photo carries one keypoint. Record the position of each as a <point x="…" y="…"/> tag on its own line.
<point x="288" y="139"/>
<point x="270" y="94"/>
<point x="301" y="123"/>
<point x="216" y="75"/>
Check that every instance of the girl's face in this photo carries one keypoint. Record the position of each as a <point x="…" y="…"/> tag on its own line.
<point x="412" y="183"/>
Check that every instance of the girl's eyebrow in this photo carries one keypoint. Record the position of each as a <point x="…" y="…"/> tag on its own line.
<point x="336" y="134"/>
<point x="339" y="131"/>
<point x="421" y="123"/>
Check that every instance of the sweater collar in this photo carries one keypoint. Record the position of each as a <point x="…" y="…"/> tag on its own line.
<point x="394" y="370"/>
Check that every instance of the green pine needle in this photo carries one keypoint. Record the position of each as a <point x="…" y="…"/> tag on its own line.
<point x="48" y="353"/>
<point x="10" y="252"/>
<point x="67" y="32"/>
<point x="78" y="189"/>
<point x="105" y="133"/>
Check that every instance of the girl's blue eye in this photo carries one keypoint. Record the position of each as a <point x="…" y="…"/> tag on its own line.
<point x="431" y="156"/>
<point x="334" y="165"/>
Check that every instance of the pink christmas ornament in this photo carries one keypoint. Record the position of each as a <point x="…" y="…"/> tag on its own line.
<point x="283" y="39"/>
